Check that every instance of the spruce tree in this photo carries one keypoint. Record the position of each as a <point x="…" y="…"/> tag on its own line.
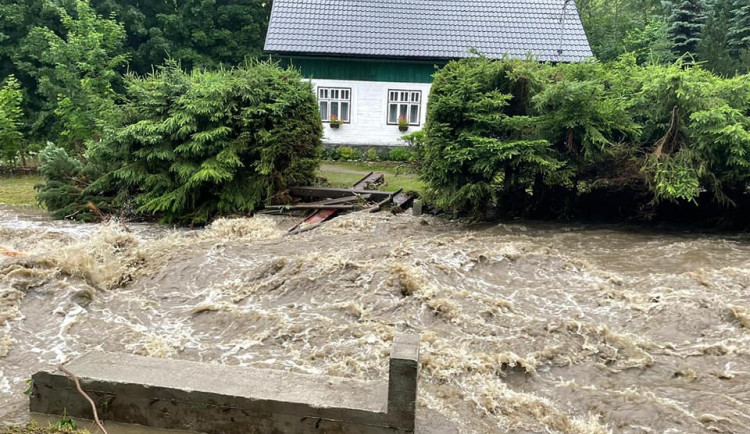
<point x="685" y="24"/>
<point x="739" y="31"/>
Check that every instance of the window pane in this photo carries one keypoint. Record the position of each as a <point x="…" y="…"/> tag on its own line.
<point x="415" y="97"/>
<point x="345" y="111"/>
<point x="404" y="96"/>
<point x="403" y="108"/>
<point x="393" y="114"/>
<point x="414" y="115"/>
<point x="345" y="95"/>
<point x="324" y="110"/>
<point x="335" y="109"/>
<point x="391" y="96"/>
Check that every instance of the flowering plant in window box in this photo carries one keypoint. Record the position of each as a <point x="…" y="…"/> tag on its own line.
<point x="335" y="122"/>
<point x="403" y="123"/>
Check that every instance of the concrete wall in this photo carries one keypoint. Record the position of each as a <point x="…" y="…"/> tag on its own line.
<point x="369" y="124"/>
<point x="224" y="399"/>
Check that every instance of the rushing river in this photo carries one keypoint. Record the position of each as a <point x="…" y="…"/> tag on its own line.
<point x="524" y="327"/>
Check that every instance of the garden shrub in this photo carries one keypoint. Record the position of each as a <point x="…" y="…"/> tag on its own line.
<point x="196" y="145"/>
<point x="529" y="136"/>
<point x="400" y="154"/>
<point x="349" y="154"/>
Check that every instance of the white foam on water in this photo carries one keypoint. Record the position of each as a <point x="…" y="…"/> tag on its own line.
<point x="540" y="328"/>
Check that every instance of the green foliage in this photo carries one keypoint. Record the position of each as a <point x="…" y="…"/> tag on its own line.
<point x="199" y="33"/>
<point x="75" y="74"/>
<point x="11" y="116"/>
<point x="372" y="155"/>
<point x="65" y="182"/>
<point x="69" y="55"/>
<point x="349" y="154"/>
<point x="201" y="144"/>
<point x="34" y="428"/>
<point x="714" y="48"/>
<point x="739" y="29"/>
<point x="401" y="154"/>
<point x="699" y="127"/>
<point x="649" y="43"/>
<point x="480" y="139"/>
<point x="657" y="31"/>
<point x="65" y="423"/>
<point x="686" y="20"/>
<point x="513" y="132"/>
<point x="615" y="27"/>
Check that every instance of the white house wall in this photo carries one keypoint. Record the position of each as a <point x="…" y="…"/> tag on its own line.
<point x="369" y="110"/>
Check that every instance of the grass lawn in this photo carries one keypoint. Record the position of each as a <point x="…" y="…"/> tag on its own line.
<point x="397" y="175"/>
<point x="19" y="190"/>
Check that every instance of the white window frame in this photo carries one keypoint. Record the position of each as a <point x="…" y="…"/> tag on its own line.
<point x="331" y="96"/>
<point x="406" y="100"/>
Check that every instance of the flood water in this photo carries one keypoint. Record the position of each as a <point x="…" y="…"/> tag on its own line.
<point x="524" y="327"/>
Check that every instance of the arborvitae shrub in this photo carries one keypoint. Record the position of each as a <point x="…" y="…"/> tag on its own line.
<point x="197" y="145"/>
<point x="539" y="140"/>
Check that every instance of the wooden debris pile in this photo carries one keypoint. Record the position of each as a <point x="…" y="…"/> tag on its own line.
<point x="323" y="203"/>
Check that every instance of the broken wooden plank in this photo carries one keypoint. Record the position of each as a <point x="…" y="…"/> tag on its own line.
<point x="341" y="200"/>
<point x="312" y="222"/>
<point x="402" y="200"/>
<point x="311" y="206"/>
<point x="334" y="193"/>
<point x="371" y="178"/>
<point x="388" y="199"/>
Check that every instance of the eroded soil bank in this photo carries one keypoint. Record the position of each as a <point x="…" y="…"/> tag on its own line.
<point x="526" y="327"/>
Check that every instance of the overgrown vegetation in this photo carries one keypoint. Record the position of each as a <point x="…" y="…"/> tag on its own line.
<point x="542" y="140"/>
<point x="192" y="146"/>
<point x="715" y="32"/>
<point x="69" y="56"/>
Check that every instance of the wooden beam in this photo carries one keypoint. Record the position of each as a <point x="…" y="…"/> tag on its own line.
<point x="388" y="199"/>
<point x="334" y="193"/>
<point x="311" y="206"/>
<point x="370" y="178"/>
<point x="340" y="201"/>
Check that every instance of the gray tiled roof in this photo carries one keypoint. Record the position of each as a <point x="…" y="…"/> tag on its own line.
<point x="431" y="29"/>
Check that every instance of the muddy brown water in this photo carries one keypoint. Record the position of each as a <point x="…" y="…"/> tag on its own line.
<point x="525" y="327"/>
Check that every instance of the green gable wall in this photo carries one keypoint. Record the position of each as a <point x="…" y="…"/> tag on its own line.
<point x="365" y="70"/>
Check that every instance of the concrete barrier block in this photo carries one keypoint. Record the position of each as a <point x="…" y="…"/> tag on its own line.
<point x="177" y="394"/>
<point x="402" y="381"/>
<point x="416" y="208"/>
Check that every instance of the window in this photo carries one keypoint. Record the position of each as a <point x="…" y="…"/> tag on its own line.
<point x="404" y="103"/>
<point x="334" y="102"/>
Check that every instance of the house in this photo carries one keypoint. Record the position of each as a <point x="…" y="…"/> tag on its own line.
<point x="371" y="61"/>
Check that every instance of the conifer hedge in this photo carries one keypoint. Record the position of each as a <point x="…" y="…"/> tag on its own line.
<point x="546" y="140"/>
<point x="195" y="145"/>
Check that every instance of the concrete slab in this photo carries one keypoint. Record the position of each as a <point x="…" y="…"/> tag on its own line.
<point x="176" y="394"/>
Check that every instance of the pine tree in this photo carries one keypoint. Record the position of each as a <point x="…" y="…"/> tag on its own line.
<point x="685" y="24"/>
